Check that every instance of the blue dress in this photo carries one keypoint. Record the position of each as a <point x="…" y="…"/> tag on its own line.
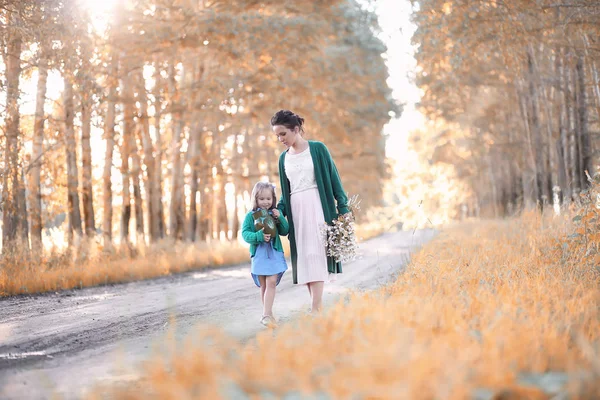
<point x="267" y="261"/>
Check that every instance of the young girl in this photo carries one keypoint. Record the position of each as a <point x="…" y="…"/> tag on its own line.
<point x="266" y="251"/>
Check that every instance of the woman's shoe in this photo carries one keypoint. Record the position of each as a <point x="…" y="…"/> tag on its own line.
<point x="267" y="320"/>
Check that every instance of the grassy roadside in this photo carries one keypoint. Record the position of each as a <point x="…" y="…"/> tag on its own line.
<point x="89" y="266"/>
<point x="486" y="310"/>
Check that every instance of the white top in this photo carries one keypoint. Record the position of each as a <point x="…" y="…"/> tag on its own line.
<point x="300" y="171"/>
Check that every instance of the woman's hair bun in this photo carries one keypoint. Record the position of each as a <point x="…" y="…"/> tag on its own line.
<point x="287" y="118"/>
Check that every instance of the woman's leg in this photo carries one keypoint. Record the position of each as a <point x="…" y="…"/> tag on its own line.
<point x="271" y="287"/>
<point x="263" y="287"/>
<point x="316" y="291"/>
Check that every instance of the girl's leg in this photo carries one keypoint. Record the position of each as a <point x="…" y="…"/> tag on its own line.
<point x="263" y="287"/>
<point x="316" y="290"/>
<point x="271" y="287"/>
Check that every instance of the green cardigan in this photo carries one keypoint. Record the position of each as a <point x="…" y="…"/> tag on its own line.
<point x="331" y="192"/>
<point x="255" y="238"/>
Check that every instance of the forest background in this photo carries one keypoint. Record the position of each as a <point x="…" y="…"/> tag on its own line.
<point x="128" y="125"/>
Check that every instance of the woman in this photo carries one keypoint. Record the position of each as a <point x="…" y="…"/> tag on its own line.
<point x="310" y="189"/>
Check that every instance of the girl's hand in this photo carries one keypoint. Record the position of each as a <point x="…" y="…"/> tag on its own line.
<point x="275" y="213"/>
<point x="267" y="237"/>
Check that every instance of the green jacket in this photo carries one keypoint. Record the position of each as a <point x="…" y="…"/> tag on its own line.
<point x="255" y="238"/>
<point x="331" y="192"/>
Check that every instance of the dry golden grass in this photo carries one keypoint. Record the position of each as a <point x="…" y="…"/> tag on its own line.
<point x="480" y="304"/>
<point x="88" y="265"/>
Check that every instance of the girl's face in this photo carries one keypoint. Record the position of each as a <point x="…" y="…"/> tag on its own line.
<point x="264" y="199"/>
<point x="285" y="135"/>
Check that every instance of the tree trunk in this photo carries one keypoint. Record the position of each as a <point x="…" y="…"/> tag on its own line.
<point x="193" y="212"/>
<point x="493" y="184"/>
<point x="159" y="151"/>
<point x="515" y="189"/>
<point x="72" y="170"/>
<point x="584" y="134"/>
<point x="573" y="128"/>
<point x="11" y="209"/>
<point x="594" y="72"/>
<point x="109" y="137"/>
<point x="549" y="148"/>
<point x="136" y="170"/>
<point x="86" y="150"/>
<point x="221" y="204"/>
<point x="35" y="193"/>
<point x="177" y="206"/>
<point x="237" y="171"/>
<point x="222" y="216"/>
<point x="176" y="211"/>
<point x="528" y="171"/>
<point x="199" y="72"/>
<point x="22" y="200"/>
<point x="152" y="194"/>
<point x="129" y="133"/>
<point x="594" y="75"/>
<point x="541" y="190"/>
<point x="193" y="149"/>
<point x="236" y="219"/>
<point x="206" y="197"/>
<point x="127" y="173"/>
<point x="269" y="164"/>
<point x="562" y="142"/>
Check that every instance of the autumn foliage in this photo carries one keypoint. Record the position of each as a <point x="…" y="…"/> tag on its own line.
<point x="141" y="131"/>
<point x="512" y="91"/>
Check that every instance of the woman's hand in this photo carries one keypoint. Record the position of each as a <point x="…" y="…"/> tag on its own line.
<point x="275" y="213"/>
<point x="267" y="237"/>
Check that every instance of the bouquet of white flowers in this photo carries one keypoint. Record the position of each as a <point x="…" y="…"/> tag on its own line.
<point x="340" y="237"/>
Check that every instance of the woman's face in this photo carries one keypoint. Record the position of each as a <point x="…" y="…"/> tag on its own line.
<point x="285" y="135"/>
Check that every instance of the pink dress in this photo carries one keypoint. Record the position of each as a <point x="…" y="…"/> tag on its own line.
<point x="308" y="217"/>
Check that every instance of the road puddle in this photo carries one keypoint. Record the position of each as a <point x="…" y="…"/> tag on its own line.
<point x="5" y="331"/>
<point x="21" y="356"/>
<point x="96" y="297"/>
<point x="231" y="273"/>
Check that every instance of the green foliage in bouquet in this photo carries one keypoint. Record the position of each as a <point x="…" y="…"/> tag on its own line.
<point x="264" y="220"/>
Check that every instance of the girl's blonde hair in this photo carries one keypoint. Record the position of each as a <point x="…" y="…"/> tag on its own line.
<point x="259" y="187"/>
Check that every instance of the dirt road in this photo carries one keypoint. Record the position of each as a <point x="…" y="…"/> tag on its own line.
<point x="66" y="342"/>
